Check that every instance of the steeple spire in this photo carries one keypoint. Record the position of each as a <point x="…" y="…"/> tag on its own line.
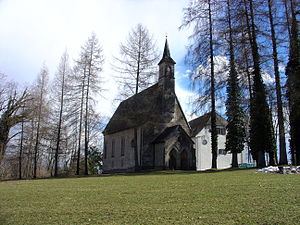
<point x="166" y="55"/>
<point x="166" y="49"/>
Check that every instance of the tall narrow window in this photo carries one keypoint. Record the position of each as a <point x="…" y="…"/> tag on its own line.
<point x="221" y="131"/>
<point x="113" y="148"/>
<point x="122" y="146"/>
<point x="105" y="150"/>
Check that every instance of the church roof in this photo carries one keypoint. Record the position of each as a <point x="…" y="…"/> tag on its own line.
<point x="136" y="110"/>
<point x="176" y="130"/>
<point x="166" y="55"/>
<point x="199" y="123"/>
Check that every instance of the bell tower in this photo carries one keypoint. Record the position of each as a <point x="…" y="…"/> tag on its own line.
<point x="166" y="69"/>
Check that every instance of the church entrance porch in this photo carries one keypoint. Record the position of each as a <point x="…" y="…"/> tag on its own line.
<point x="178" y="161"/>
<point x="173" y="149"/>
<point x="184" y="160"/>
<point x="172" y="160"/>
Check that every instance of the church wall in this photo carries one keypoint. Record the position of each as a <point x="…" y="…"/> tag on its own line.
<point x="179" y="118"/>
<point x="148" y="132"/>
<point x="114" y="159"/>
<point x="159" y="156"/>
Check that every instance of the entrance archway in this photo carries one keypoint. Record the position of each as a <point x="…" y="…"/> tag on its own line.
<point x="184" y="160"/>
<point x="172" y="160"/>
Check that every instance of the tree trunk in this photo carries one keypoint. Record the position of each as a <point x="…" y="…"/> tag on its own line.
<point x="136" y="160"/>
<point x="260" y="159"/>
<point x="282" y="144"/>
<point x="287" y="18"/>
<point x="293" y="83"/>
<point x="4" y="131"/>
<point x="36" y="148"/>
<point x="59" y="123"/>
<point x="214" y="135"/>
<point x="272" y="159"/>
<point x="2" y="150"/>
<point x="38" y="132"/>
<point x="21" y="150"/>
<point x="234" y="163"/>
<point x="80" y="123"/>
<point x="86" y="141"/>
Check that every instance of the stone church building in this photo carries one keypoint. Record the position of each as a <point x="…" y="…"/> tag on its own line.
<point x="149" y="130"/>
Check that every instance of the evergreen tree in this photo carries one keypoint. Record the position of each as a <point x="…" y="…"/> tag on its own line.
<point x="293" y="83"/>
<point x="235" y="137"/>
<point x="261" y="132"/>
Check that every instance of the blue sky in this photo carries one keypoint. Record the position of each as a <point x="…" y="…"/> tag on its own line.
<point x="34" y="32"/>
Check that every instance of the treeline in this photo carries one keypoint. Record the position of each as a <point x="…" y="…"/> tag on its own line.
<point x="51" y="128"/>
<point x="257" y="38"/>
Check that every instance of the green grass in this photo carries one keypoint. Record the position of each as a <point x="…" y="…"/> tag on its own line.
<point x="228" y="197"/>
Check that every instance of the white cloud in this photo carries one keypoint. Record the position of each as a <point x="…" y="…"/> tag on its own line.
<point x="267" y="77"/>
<point x="281" y="68"/>
<point x="221" y="65"/>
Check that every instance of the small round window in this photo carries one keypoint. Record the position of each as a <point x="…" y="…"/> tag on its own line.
<point x="204" y="142"/>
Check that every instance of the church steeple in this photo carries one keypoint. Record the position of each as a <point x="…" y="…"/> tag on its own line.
<point x="166" y="65"/>
<point x="166" y="55"/>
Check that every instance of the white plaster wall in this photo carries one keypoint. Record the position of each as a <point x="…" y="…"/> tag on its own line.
<point x="119" y="162"/>
<point x="203" y="152"/>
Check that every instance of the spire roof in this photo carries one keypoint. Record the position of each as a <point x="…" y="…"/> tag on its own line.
<point x="166" y="55"/>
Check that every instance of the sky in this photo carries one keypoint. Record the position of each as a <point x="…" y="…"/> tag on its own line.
<point x="34" y="32"/>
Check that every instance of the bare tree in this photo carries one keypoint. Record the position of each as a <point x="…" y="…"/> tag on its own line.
<point x="10" y="104"/>
<point x="282" y="144"/>
<point x="89" y="67"/>
<point x="60" y="85"/>
<point x="136" y="64"/>
<point x="202" y="15"/>
<point x="21" y="147"/>
<point x="40" y="100"/>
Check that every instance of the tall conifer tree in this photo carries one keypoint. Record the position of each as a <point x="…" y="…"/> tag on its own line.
<point x="235" y="137"/>
<point x="261" y="131"/>
<point x="293" y="83"/>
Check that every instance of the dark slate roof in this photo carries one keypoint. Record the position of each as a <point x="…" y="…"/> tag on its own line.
<point x="136" y="110"/>
<point x="199" y="123"/>
<point x="171" y="131"/>
<point x="166" y="55"/>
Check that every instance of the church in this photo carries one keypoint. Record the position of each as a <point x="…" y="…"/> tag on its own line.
<point x="149" y="130"/>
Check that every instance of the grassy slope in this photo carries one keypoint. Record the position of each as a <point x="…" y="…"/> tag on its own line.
<point x="235" y="197"/>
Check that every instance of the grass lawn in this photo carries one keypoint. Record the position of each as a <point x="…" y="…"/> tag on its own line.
<point x="228" y="197"/>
